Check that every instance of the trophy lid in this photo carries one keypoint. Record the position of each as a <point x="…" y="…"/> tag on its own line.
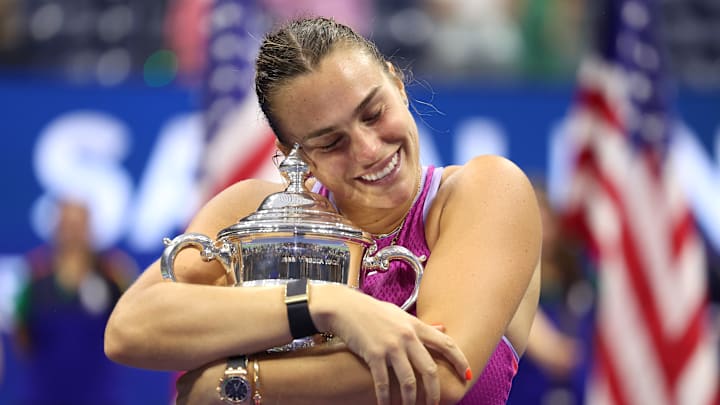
<point x="297" y="210"/>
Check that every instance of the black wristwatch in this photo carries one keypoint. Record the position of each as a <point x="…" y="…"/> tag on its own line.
<point x="234" y="387"/>
<point x="296" y="301"/>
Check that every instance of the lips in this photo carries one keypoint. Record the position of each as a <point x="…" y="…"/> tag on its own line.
<point x="381" y="174"/>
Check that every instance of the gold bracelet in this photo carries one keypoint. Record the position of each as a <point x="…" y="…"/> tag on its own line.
<point x="257" y="398"/>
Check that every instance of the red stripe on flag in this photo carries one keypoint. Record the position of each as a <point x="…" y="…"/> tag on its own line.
<point x="249" y="166"/>
<point x="607" y="368"/>
<point x="594" y="100"/>
<point x="678" y="352"/>
<point x="683" y="229"/>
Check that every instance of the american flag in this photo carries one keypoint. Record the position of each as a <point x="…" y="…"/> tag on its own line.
<point x="239" y="142"/>
<point x="653" y="343"/>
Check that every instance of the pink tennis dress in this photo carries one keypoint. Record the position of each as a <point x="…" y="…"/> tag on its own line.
<point x="396" y="285"/>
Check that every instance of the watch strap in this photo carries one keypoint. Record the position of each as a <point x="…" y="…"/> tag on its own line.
<point x="236" y="363"/>
<point x="296" y="301"/>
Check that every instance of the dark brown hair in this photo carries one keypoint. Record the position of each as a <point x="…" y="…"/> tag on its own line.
<point x="296" y="48"/>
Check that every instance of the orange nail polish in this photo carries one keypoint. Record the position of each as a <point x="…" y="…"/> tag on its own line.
<point x="468" y="374"/>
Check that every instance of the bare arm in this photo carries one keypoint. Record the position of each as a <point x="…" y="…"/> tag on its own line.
<point x="486" y="246"/>
<point x="328" y="378"/>
<point x="557" y="352"/>
<point x="485" y="250"/>
<point x="177" y="326"/>
<point x="375" y="337"/>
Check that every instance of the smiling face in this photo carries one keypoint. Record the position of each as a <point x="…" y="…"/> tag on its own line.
<point x="357" y="134"/>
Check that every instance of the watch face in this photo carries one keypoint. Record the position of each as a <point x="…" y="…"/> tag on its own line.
<point x="235" y="389"/>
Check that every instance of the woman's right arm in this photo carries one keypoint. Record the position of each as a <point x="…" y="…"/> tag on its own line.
<point x="163" y="325"/>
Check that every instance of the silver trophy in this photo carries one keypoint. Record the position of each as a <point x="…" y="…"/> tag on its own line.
<point x="294" y="234"/>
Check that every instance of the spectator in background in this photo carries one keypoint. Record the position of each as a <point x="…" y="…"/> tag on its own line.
<point x="402" y="30"/>
<point x="553" y="35"/>
<point x="558" y="352"/>
<point x="9" y="25"/>
<point x="472" y="38"/>
<point x="185" y="30"/>
<point x="358" y="14"/>
<point x="188" y="22"/>
<point x="62" y="314"/>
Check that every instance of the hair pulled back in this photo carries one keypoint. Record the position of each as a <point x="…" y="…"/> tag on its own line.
<point x="297" y="48"/>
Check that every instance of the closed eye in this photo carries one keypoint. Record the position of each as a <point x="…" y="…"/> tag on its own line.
<point x="374" y="117"/>
<point x="330" y="145"/>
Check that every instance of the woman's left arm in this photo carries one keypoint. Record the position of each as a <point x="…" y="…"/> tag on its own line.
<point x="485" y="234"/>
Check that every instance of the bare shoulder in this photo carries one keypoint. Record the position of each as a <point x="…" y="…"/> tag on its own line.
<point x="489" y="181"/>
<point x="484" y="171"/>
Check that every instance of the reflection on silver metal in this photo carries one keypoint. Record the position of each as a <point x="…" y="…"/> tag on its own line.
<point x="293" y="234"/>
<point x="381" y="262"/>
<point x="209" y="250"/>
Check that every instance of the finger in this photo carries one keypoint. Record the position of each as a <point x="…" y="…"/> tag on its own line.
<point x="446" y="347"/>
<point x="405" y="375"/>
<point x="438" y="326"/>
<point x="426" y="367"/>
<point x="379" y="372"/>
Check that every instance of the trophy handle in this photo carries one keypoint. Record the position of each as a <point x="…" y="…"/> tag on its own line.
<point x="208" y="251"/>
<point x="380" y="261"/>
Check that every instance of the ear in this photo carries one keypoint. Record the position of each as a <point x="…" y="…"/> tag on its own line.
<point x="397" y="80"/>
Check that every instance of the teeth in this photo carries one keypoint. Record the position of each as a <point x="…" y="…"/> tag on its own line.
<point x="384" y="172"/>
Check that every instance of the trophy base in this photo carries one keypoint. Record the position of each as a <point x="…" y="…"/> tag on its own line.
<point x="303" y="343"/>
<point x="272" y="282"/>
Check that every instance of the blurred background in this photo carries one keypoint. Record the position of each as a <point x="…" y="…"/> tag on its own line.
<point x="138" y="111"/>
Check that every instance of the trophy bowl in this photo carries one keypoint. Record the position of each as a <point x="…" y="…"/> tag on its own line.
<point x="294" y="234"/>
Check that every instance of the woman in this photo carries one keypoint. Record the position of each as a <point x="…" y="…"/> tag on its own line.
<point x="328" y="89"/>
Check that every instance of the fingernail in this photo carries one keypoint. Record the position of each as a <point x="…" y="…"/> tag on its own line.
<point x="468" y="374"/>
<point x="438" y="326"/>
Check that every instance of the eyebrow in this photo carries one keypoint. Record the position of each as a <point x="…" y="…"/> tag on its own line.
<point x="356" y="111"/>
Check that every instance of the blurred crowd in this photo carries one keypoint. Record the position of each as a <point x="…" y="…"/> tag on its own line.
<point x="112" y="41"/>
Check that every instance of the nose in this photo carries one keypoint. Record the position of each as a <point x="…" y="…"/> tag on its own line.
<point x="366" y="145"/>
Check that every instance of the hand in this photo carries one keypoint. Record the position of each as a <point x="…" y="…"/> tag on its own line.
<point x="199" y="386"/>
<point x="384" y="335"/>
<point x="559" y="357"/>
<point x="555" y="352"/>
